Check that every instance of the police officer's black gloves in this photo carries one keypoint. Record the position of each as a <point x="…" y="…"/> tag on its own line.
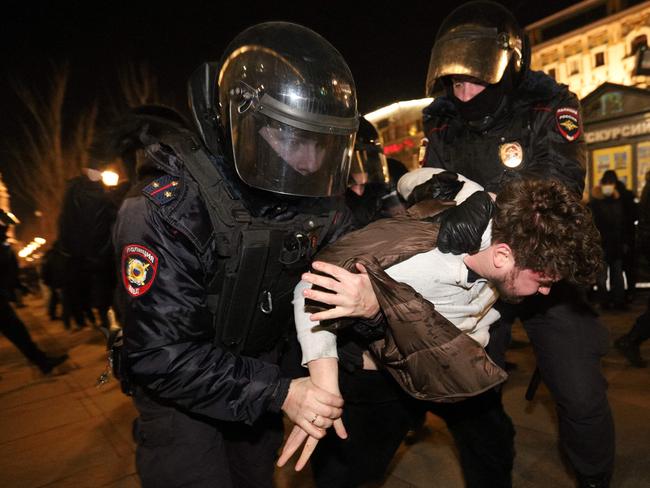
<point x="441" y="186"/>
<point x="462" y="226"/>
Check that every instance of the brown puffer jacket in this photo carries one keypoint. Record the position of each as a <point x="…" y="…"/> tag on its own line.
<point x="429" y="357"/>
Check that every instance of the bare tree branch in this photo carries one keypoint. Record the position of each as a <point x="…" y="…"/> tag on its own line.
<point x="44" y="159"/>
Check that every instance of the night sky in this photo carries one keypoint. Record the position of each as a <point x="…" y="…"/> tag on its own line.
<point x="386" y="44"/>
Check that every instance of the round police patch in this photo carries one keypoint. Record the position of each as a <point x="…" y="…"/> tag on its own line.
<point x="568" y="123"/>
<point x="139" y="266"/>
<point x="511" y="154"/>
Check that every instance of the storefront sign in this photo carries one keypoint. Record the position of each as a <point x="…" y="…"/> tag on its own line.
<point x="616" y="132"/>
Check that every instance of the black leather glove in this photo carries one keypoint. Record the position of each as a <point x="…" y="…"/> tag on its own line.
<point x="462" y="226"/>
<point x="441" y="186"/>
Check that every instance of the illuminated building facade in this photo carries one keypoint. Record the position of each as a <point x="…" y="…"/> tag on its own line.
<point x="599" y="48"/>
<point x="400" y="129"/>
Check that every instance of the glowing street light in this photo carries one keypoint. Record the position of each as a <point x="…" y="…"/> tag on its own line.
<point x="110" y="178"/>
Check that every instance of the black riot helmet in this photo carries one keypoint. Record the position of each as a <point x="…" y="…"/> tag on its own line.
<point x="288" y="107"/>
<point x="480" y="39"/>
<point x="369" y="163"/>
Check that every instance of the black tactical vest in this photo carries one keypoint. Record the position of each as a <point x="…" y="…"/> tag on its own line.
<point x="260" y="258"/>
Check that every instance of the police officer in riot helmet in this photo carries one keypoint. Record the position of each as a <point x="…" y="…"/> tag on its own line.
<point x="212" y="242"/>
<point x="497" y="120"/>
<point x="369" y="194"/>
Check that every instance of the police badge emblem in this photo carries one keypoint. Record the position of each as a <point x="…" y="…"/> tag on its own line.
<point x="511" y="154"/>
<point x="568" y="123"/>
<point x="139" y="267"/>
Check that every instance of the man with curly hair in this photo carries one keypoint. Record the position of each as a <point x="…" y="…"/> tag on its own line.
<point x="540" y="233"/>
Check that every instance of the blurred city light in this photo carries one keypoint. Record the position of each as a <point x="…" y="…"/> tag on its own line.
<point x="110" y="178"/>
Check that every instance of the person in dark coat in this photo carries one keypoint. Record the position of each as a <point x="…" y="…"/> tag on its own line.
<point x="609" y="216"/>
<point x="629" y="344"/>
<point x="10" y="324"/>
<point x="53" y="275"/>
<point x="210" y="242"/>
<point x="630" y="217"/>
<point x="85" y="225"/>
<point x="498" y="120"/>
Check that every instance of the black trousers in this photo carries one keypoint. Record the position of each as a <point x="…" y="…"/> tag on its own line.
<point x="14" y="330"/>
<point x="569" y="341"/>
<point x="377" y="416"/>
<point x="175" y="449"/>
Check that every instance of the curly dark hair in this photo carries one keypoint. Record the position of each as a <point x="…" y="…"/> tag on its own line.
<point x="548" y="229"/>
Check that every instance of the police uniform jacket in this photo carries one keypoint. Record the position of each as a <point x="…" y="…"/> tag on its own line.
<point x="168" y="254"/>
<point x="537" y="132"/>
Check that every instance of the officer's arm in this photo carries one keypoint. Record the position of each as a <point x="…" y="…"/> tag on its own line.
<point x="167" y="327"/>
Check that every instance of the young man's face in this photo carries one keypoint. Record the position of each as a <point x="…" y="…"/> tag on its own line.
<point x="520" y="283"/>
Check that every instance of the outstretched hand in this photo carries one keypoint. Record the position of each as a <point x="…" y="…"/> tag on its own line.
<point x="297" y="437"/>
<point x="351" y="293"/>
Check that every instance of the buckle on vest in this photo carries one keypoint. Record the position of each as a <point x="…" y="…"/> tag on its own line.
<point x="266" y="304"/>
<point x="297" y="246"/>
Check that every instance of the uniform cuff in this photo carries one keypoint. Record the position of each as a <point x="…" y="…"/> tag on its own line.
<point x="279" y="394"/>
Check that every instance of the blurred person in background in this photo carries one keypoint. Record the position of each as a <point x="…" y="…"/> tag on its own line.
<point x="629" y="344"/>
<point x="11" y="326"/>
<point x="85" y="225"/>
<point x="609" y="216"/>
<point x="371" y="191"/>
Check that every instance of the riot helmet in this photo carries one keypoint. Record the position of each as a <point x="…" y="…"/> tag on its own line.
<point x="369" y="163"/>
<point x="287" y="103"/>
<point x="481" y="40"/>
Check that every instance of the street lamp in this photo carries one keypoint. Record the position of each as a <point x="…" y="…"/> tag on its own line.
<point x="110" y="178"/>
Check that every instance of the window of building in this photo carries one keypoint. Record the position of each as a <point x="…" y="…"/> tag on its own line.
<point x="637" y="43"/>
<point x="551" y="73"/>
<point x="599" y="59"/>
<point x="574" y="66"/>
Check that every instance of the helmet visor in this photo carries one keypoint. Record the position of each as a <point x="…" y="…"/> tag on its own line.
<point x="272" y="155"/>
<point x="369" y="160"/>
<point x="477" y="53"/>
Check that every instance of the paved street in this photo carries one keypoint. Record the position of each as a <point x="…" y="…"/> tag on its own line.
<point x="63" y="431"/>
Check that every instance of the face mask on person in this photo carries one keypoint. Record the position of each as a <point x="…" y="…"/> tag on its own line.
<point x="608" y="190"/>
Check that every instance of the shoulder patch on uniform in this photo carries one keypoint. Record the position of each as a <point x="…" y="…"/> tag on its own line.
<point x="162" y="190"/>
<point x="139" y="268"/>
<point x="568" y="123"/>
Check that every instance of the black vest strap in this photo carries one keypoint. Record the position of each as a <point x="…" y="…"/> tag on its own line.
<point x="235" y="314"/>
<point x="251" y="272"/>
